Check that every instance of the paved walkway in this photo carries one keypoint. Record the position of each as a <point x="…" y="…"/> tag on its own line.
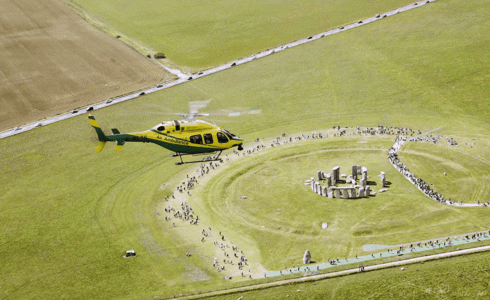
<point x="393" y="252"/>
<point x="339" y="273"/>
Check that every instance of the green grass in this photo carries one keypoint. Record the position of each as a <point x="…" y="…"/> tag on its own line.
<point x="200" y="35"/>
<point x="462" y="277"/>
<point x="103" y="27"/>
<point x="68" y="214"/>
<point x="466" y="176"/>
<point x="281" y="210"/>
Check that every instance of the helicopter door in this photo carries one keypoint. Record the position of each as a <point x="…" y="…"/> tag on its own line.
<point x="208" y="138"/>
<point x="177" y="125"/>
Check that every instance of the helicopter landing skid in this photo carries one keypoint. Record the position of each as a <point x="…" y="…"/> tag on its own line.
<point x="204" y="160"/>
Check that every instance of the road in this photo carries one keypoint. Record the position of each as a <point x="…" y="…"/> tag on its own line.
<point x="188" y="77"/>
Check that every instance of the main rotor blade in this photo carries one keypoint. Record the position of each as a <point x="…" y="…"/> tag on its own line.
<point x="194" y="106"/>
<point x="233" y="114"/>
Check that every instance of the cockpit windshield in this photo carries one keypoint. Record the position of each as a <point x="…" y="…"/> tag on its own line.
<point x="229" y="134"/>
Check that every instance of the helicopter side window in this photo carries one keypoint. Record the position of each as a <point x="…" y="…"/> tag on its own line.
<point x="222" y="138"/>
<point x="196" y="139"/>
<point x="208" y="138"/>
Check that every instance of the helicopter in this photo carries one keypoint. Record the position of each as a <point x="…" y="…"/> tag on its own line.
<point x="184" y="137"/>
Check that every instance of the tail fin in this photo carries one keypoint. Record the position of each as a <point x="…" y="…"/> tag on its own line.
<point x="100" y="133"/>
<point x="119" y="144"/>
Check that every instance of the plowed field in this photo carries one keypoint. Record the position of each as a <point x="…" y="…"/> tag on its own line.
<point x="52" y="61"/>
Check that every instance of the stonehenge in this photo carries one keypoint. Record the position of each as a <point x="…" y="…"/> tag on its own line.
<point x="352" y="191"/>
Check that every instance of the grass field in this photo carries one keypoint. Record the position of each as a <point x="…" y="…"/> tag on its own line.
<point x="464" y="277"/>
<point x="466" y="176"/>
<point x="201" y="35"/>
<point x="281" y="210"/>
<point x="68" y="214"/>
<point x="52" y="61"/>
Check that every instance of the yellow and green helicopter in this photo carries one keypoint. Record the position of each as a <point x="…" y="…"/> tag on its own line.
<point x="184" y="137"/>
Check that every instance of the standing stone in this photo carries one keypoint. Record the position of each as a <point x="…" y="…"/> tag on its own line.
<point x="307" y="257"/>
<point x="336" y="192"/>
<point x="367" y="190"/>
<point x="318" y="188"/>
<point x="324" y="191"/>
<point x="363" y="182"/>
<point x="383" y="179"/>
<point x="336" y="174"/>
<point x="361" y="192"/>
<point x="364" y="173"/>
<point x="330" y="194"/>
<point x="353" y="193"/>
<point x="345" y="193"/>
<point x="319" y="175"/>
<point x="329" y="180"/>
<point x="354" y="171"/>
<point x="359" y="170"/>
<point x="312" y="182"/>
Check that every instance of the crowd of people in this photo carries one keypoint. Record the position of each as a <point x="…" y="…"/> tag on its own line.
<point x="423" y="186"/>
<point x="187" y="214"/>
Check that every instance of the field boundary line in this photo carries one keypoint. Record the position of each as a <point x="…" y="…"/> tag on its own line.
<point x="339" y="273"/>
<point x="182" y="78"/>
